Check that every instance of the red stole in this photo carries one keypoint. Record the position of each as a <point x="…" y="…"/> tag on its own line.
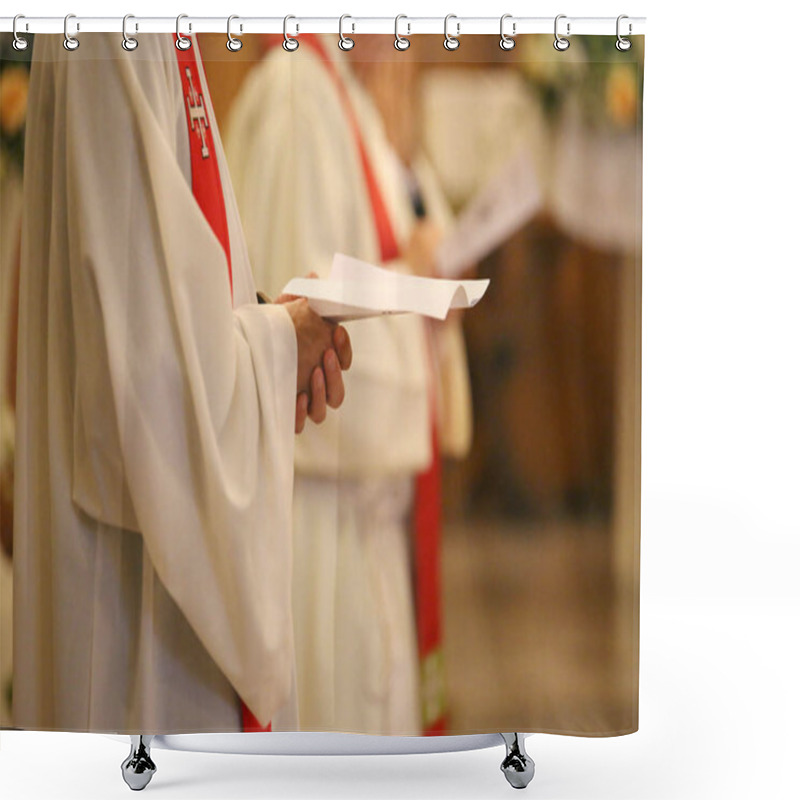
<point x="207" y="190"/>
<point x="427" y="511"/>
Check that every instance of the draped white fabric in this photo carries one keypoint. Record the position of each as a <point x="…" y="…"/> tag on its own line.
<point x="155" y="424"/>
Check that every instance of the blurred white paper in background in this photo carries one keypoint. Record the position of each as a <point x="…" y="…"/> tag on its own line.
<point x="501" y="208"/>
<point x="357" y="290"/>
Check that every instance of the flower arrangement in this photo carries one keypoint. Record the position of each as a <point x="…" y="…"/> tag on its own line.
<point x="14" y="78"/>
<point x="606" y="82"/>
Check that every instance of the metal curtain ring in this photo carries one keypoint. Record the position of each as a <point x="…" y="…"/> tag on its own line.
<point x="400" y="42"/>
<point x="560" y="43"/>
<point x="345" y="42"/>
<point x="290" y="44"/>
<point x="129" y="43"/>
<point x="233" y="44"/>
<point x="451" y="42"/>
<point x="507" y="42"/>
<point x="70" y="42"/>
<point x="623" y="44"/>
<point x="181" y="42"/>
<point x="19" y="43"/>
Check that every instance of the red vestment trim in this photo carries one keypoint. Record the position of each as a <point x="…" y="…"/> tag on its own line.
<point x="387" y="241"/>
<point x="206" y="184"/>
<point x="207" y="190"/>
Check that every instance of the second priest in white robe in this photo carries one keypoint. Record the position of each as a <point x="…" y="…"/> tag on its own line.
<point x="301" y="188"/>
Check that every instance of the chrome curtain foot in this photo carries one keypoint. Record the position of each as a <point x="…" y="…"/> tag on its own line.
<point x="138" y="768"/>
<point x="517" y="766"/>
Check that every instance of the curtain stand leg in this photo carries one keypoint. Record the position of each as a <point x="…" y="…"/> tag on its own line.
<point x="517" y="766"/>
<point x="138" y="768"/>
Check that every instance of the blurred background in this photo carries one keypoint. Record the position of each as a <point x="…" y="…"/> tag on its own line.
<point x="540" y="560"/>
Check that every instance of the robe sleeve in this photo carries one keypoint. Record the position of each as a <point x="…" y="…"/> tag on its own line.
<point x="184" y="407"/>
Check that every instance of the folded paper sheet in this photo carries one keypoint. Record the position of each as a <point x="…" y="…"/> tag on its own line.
<point x="357" y="290"/>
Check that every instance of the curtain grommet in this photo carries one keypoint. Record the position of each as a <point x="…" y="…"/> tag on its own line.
<point x="507" y="42"/>
<point x="290" y="43"/>
<point x="401" y="43"/>
<point x="129" y="43"/>
<point x="182" y="42"/>
<point x="451" y="42"/>
<point x="622" y="44"/>
<point x="71" y="43"/>
<point x="345" y="42"/>
<point x="233" y="44"/>
<point x="561" y="43"/>
<point x="19" y="43"/>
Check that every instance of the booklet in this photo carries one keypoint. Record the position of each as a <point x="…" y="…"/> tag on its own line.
<point x="357" y="290"/>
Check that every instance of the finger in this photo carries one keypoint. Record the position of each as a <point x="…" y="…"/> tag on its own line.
<point x="341" y="340"/>
<point x="316" y="408"/>
<point x="301" y="412"/>
<point x="287" y="298"/>
<point x="334" y="384"/>
<point x="312" y="275"/>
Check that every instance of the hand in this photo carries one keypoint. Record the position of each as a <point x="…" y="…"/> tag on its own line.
<point x="421" y="252"/>
<point x="323" y="351"/>
<point x="314" y="337"/>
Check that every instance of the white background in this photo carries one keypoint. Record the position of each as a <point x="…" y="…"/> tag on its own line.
<point x="720" y="532"/>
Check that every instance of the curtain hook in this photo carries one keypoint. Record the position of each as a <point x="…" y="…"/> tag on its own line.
<point x="233" y="44"/>
<point x="345" y="42"/>
<point x="129" y="43"/>
<point x="181" y="41"/>
<point x="70" y="42"/>
<point x="507" y="42"/>
<point x="20" y="42"/>
<point x="451" y="42"/>
<point x="560" y="43"/>
<point x="623" y="44"/>
<point x="290" y="44"/>
<point x="400" y="42"/>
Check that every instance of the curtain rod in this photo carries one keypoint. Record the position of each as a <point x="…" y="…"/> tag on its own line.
<point x="630" y="26"/>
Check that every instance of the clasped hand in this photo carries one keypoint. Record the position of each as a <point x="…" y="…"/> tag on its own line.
<point x="323" y="351"/>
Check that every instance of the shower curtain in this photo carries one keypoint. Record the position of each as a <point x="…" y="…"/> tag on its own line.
<point x="224" y="511"/>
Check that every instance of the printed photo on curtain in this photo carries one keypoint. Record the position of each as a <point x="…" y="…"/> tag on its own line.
<point x="320" y="377"/>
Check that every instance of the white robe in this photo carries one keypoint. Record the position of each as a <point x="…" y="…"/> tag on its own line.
<point x="302" y="195"/>
<point x="155" y="422"/>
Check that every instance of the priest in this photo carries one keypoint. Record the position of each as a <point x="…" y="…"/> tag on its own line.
<point x="157" y="407"/>
<point x="315" y="173"/>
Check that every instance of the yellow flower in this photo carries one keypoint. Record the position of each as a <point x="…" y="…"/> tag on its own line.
<point x="621" y="95"/>
<point x="13" y="99"/>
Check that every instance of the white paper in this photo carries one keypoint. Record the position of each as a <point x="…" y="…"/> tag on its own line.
<point x="357" y="290"/>
<point x="505" y="204"/>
